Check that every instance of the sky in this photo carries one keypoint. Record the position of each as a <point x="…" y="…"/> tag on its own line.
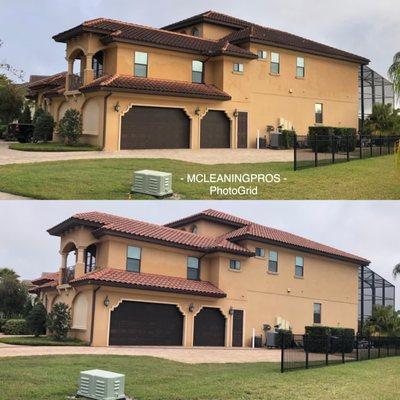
<point x="368" y="28"/>
<point x="368" y="229"/>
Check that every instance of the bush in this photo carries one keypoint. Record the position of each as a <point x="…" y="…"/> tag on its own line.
<point x="16" y="327"/>
<point x="70" y="127"/>
<point x="3" y="129"/>
<point x="36" y="319"/>
<point x="287" y="337"/>
<point x="287" y="139"/>
<point x="38" y="113"/>
<point x="325" y="134"/>
<point x="26" y="117"/>
<point x="44" y="127"/>
<point x="59" y="321"/>
<point x="346" y="341"/>
<point x="322" y="339"/>
<point x="2" y="322"/>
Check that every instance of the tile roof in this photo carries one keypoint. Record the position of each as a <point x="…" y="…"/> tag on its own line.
<point x="146" y="281"/>
<point x="49" y="81"/>
<point x="156" y="86"/>
<point x="210" y="215"/>
<point x="113" y="30"/>
<point x="256" y="231"/>
<point x="104" y="224"/>
<point x="47" y="280"/>
<point x="247" y="31"/>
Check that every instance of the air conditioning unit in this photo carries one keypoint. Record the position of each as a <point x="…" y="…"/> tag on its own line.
<point x="154" y="183"/>
<point x="101" y="385"/>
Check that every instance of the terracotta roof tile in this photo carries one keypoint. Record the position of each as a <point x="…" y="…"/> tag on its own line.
<point x="157" y="86"/>
<point x="145" y="281"/>
<point x="46" y="277"/>
<point x="50" y="81"/>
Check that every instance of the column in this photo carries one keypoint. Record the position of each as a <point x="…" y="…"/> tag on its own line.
<point x="69" y="74"/>
<point x="88" y="71"/>
<point x="80" y="262"/>
<point x="63" y="266"/>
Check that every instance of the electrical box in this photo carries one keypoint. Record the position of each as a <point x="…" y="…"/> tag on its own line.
<point x="154" y="183"/>
<point x="101" y="385"/>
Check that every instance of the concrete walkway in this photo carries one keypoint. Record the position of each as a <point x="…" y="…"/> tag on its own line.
<point x="8" y="196"/>
<point x="188" y="355"/>
<point x="204" y="156"/>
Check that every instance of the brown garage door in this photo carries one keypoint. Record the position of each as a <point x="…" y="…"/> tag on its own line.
<point x="215" y="131"/>
<point x="209" y="328"/>
<point x="155" y="128"/>
<point x="146" y="324"/>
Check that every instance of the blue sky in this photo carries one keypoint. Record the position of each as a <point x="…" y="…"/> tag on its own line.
<point x="369" y="229"/>
<point x="366" y="27"/>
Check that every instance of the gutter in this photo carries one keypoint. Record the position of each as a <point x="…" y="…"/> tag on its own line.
<point x="105" y="118"/>
<point x="93" y="313"/>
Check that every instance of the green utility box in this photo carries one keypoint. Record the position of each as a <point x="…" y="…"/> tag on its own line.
<point x="154" y="183"/>
<point x="101" y="385"/>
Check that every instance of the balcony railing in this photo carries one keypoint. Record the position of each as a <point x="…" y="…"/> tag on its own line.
<point x="67" y="274"/>
<point x="74" y="82"/>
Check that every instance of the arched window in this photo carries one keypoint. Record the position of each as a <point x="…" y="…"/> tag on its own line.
<point x="98" y="64"/>
<point x="90" y="259"/>
<point x="195" y="32"/>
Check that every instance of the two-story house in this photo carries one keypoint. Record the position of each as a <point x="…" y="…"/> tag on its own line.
<point x="211" y="279"/>
<point x="211" y="81"/>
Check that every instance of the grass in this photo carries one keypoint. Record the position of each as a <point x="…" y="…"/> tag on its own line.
<point x="147" y="378"/>
<point x="52" y="147"/>
<point x="110" y="179"/>
<point x="41" y="341"/>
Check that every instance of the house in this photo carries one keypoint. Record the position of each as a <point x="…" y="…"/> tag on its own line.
<point x="210" y="81"/>
<point x="209" y="279"/>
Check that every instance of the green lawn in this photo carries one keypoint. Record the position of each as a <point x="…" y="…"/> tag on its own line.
<point x="56" y="377"/>
<point x="41" y="341"/>
<point x="52" y="147"/>
<point x="375" y="178"/>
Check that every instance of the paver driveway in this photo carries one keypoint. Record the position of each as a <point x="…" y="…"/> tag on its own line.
<point x="204" y="156"/>
<point x="189" y="356"/>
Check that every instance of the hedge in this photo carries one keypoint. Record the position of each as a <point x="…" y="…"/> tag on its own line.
<point x="339" y="339"/>
<point x="287" y="337"/>
<point x="325" y="134"/>
<point x="16" y="327"/>
<point x="287" y="139"/>
<point x="2" y="322"/>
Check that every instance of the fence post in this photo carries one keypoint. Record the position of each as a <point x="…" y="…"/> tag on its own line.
<point x="305" y="340"/>
<point x="369" y="348"/>
<point x="295" y="151"/>
<point x="343" y="360"/>
<point x="282" y="353"/>
<point x="387" y="348"/>
<point x="380" y="144"/>
<point x="348" y="146"/>
<point x="357" y="354"/>
<point x="327" y="349"/>
<point x="370" y="146"/>
<point x="316" y="149"/>
<point x="388" y="145"/>
<point x="333" y="143"/>
<point x="361" y="146"/>
<point x="379" y="347"/>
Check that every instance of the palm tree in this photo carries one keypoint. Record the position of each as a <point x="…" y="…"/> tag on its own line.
<point x="394" y="72"/>
<point x="396" y="270"/>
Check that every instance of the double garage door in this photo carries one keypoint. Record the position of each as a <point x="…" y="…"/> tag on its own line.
<point x="154" y="324"/>
<point x="169" y="128"/>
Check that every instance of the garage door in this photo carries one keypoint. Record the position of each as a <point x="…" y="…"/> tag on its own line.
<point x="215" y="131"/>
<point x="146" y="324"/>
<point x="155" y="128"/>
<point x="209" y="328"/>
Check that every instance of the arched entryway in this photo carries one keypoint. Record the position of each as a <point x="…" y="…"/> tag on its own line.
<point x="215" y="132"/>
<point x="209" y="327"/>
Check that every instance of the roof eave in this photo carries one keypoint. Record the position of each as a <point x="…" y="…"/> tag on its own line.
<point x="63" y="37"/>
<point x="71" y="222"/>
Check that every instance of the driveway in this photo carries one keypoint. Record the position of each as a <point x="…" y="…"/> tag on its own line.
<point x="179" y="354"/>
<point x="204" y="156"/>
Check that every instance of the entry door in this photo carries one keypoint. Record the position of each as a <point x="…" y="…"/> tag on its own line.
<point x="237" y="329"/>
<point x="242" y="130"/>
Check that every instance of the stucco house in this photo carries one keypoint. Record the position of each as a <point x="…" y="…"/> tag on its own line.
<point x="210" y="279"/>
<point x="210" y="81"/>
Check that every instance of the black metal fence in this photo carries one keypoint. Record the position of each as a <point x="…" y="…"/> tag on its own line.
<point x="319" y="150"/>
<point x="309" y="351"/>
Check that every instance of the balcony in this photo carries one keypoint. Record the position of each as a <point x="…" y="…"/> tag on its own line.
<point x="67" y="274"/>
<point x="74" y="82"/>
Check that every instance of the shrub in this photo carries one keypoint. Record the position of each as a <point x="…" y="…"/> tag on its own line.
<point x="287" y="139"/>
<point x="59" y="321"/>
<point x="322" y="339"/>
<point x="16" y="327"/>
<point x="287" y="337"/>
<point x="26" y="117"/>
<point x="38" y="113"/>
<point x="324" y="135"/>
<point x="345" y="342"/>
<point x="3" y="129"/>
<point x="36" y="319"/>
<point x="2" y="322"/>
<point x="70" y="127"/>
<point x="44" y="127"/>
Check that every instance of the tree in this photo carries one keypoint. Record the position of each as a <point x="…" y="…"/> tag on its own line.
<point x="44" y="127"/>
<point x="9" y="68"/>
<point x="384" y="320"/>
<point x="396" y="270"/>
<point x="26" y="117"/>
<point x="39" y="112"/>
<point x="70" y="127"/>
<point x="11" y="100"/>
<point x="59" y="321"/>
<point x="383" y="120"/>
<point x="36" y="319"/>
<point x="13" y="294"/>
<point x="394" y="72"/>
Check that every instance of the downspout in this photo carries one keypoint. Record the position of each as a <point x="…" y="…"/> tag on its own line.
<point x="105" y="118"/>
<point x="93" y="313"/>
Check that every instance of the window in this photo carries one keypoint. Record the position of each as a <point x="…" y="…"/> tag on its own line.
<point x="299" y="267"/>
<point x="133" y="259"/>
<point x="193" y="268"/>
<point x="260" y="252"/>
<point x="317" y="313"/>
<point x="97" y="64"/>
<point x="141" y="64"/>
<point x="262" y="55"/>
<point x="238" y="67"/>
<point x="90" y="259"/>
<point x="195" y="32"/>
<point x="275" y="66"/>
<point x="300" y="70"/>
<point x="319" y="113"/>
<point x="273" y="261"/>
<point x="197" y="71"/>
<point x="234" y="264"/>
